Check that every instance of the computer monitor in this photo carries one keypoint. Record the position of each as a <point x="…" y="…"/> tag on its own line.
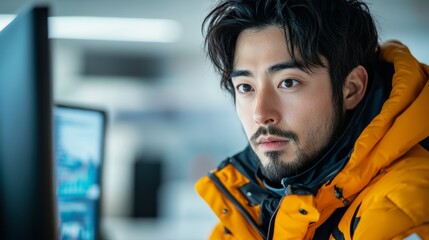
<point x="27" y="193"/>
<point x="79" y="147"/>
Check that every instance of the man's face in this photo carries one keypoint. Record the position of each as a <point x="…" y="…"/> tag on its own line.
<point x="288" y="114"/>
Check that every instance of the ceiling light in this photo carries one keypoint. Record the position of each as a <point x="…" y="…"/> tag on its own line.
<point x="113" y="29"/>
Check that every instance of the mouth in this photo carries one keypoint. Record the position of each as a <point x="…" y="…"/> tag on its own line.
<point x="272" y="143"/>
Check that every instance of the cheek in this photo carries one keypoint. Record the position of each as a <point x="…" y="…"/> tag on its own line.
<point x="245" y="117"/>
<point x="310" y="115"/>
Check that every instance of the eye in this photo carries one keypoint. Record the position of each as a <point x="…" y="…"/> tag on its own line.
<point x="288" y="83"/>
<point x="244" y="88"/>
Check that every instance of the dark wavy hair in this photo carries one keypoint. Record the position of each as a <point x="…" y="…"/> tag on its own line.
<point x="341" y="31"/>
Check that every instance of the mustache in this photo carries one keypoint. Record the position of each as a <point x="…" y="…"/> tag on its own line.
<point x="275" y="132"/>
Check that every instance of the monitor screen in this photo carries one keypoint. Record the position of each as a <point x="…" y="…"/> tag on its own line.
<point x="79" y="144"/>
<point x="27" y="193"/>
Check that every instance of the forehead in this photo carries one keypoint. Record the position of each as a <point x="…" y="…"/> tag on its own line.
<point x="268" y="43"/>
<point x="263" y="47"/>
<point x="273" y="33"/>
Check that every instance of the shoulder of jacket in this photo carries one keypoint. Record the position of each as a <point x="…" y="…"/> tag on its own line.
<point x="397" y="201"/>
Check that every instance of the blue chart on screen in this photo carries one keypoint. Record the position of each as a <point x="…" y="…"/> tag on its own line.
<point x="79" y="142"/>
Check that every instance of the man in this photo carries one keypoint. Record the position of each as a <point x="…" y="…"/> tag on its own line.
<point x="337" y="125"/>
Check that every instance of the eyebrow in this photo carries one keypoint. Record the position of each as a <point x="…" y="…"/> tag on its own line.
<point x="272" y="69"/>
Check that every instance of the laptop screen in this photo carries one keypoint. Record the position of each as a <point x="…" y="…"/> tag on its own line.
<point x="79" y="144"/>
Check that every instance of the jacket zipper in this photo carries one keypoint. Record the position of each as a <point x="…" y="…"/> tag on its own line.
<point x="288" y="191"/>
<point x="271" y="225"/>
<point x="234" y="201"/>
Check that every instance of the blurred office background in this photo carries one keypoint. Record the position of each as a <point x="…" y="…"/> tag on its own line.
<point x="169" y="122"/>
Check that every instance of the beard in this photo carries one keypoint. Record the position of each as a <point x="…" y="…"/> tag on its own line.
<point x="307" y="155"/>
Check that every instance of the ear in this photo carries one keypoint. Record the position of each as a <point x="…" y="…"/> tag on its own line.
<point x="355" y="87"/>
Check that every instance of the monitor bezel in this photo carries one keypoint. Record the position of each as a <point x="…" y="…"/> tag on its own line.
<point x="40" y="219"/>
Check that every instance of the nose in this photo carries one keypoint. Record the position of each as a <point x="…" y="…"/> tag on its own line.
<point x="266" y="109"/>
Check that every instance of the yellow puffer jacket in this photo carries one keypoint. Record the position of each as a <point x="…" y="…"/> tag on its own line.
<point x="383" y="188"/>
